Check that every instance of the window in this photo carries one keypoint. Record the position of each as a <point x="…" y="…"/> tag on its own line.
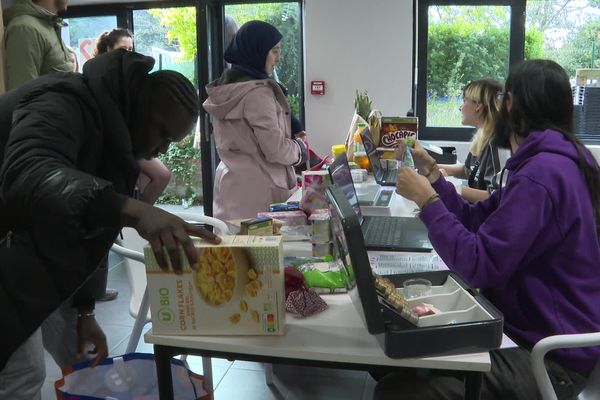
<point x="81" y="33"/>
<point x="568" y="32"/>
<point x="286" y="18"/>
<point x="459" y="44"/>
<point x="169" y="36"/>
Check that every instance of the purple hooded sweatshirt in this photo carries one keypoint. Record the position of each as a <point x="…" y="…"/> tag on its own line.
<point x="531" y="247"/>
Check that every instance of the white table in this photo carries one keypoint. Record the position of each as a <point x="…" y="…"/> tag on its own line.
<point x="335" y="338"/>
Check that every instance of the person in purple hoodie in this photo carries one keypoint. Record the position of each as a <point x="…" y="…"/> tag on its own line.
<point x="532" y="247"/>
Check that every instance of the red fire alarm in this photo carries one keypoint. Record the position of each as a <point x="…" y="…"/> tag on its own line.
<point x="317" y="87"/>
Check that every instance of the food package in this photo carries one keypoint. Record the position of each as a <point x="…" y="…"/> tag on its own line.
<point x="325" y="277"/>
<point x="395" y="128"/>
<point x="314" y="184"/>
<point x="260" y="226"/>
<point x="288" y="218"/>
<point x="322" y="249"/>
<point x="319" y="222"/>
<point x="238" y="289"/>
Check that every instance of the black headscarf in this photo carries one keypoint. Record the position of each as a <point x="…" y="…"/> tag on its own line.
<point x="249" y="48"/>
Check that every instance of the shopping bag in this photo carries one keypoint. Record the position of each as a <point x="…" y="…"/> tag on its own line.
<point x="356" y="119"/>
<point x="128" y="377"/>
<point x="375" y="126"/>
<point x="315" y="161"/>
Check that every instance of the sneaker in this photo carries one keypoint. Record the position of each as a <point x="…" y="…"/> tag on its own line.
<point x="109" y="294"/>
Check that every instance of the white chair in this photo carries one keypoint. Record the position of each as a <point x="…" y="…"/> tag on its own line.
<point x="592" y="388"/>
<point x="139" y="308"/>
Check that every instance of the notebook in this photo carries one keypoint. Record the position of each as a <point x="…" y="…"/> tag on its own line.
<point x="385" y="233"/>
<point x="383" y="176"/>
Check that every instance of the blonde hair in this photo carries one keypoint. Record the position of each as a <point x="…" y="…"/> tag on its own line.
<point x="484" y="92"/>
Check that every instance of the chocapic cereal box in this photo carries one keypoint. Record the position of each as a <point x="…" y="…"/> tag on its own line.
<point x="238" y="289"/>
<point x="395" y="128"/>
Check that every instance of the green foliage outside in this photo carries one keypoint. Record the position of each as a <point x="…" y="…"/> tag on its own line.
<point x="183" y="160"/>
<point x="461" y="52"/>
<point x="180" y="23"/>
<point x="150" y="33"/>
<point x="579" y="49"/>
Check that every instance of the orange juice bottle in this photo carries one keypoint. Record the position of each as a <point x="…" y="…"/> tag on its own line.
<point x="362" y="160"/>
<point x="360" y="156"/>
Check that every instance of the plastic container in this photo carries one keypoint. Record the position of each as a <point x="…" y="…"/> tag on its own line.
<point x="417" y="287"/>
<point x="337" y="150"/>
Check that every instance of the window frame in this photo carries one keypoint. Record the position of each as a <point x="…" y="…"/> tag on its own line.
<point x="516" y="54"/>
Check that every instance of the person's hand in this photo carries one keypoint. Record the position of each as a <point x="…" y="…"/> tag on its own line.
<point x="88" y="331"/>
<point x="165" y="231"/>
<point x="302" y="136"/>
<point x="443" y="172"/>
<point x="413" y="186"/>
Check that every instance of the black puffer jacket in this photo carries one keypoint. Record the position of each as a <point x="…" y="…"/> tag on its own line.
<point x="66" y="167"/>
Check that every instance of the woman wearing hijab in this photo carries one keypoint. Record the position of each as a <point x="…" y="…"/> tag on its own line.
<point x="253" y="127"/>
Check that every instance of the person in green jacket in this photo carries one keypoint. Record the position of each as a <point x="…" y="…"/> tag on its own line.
<point x="33" y="43"/>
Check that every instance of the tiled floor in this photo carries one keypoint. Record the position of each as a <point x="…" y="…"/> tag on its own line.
<point x="232" y="380"/>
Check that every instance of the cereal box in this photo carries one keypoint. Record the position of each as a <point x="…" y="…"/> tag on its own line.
<point x="395" y="128"/>
<point x="238" y="289"/>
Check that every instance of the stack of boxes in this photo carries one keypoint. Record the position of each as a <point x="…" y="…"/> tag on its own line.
<point x="320" y="233"/>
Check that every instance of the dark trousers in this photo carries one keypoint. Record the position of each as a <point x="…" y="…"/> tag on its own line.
<point x="510" y="377"/>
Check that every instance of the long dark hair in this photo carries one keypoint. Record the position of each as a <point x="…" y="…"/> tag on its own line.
<point x="108" y="39"/>
<point x="542" y="99"/>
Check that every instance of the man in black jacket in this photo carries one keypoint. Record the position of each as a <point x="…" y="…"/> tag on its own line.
<point x="69" y="146"/>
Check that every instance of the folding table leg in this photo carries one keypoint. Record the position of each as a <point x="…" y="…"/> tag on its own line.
<point x="208" y="376"/>
<point x="162" y="358"/>
<point x="269" y="373"/>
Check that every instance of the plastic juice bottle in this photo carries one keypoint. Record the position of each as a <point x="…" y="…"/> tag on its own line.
<point x="362" y="160"/>
<point x="358" y="144"/>
<point x="408" y="159"/>
<point x="360" y="156"/>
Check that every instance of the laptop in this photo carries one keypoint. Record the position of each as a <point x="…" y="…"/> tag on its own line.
<point x="383" y="176"/>
<point x="385" y="233"/>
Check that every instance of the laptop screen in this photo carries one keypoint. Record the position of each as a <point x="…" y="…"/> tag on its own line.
<point x="349" y="247"/>
<point x="371" y="150"/>
<point x="341" y="176"/>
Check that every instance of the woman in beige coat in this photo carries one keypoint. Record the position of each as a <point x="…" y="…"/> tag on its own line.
<point x="252" y="126"/>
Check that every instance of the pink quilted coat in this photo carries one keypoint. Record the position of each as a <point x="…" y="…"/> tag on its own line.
<point x="252" y="129"/>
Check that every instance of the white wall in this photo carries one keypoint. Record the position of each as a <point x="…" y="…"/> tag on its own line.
<point x="355" y="44"/>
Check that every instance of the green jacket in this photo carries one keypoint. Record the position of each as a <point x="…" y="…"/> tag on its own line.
<point x="33" y="43"/>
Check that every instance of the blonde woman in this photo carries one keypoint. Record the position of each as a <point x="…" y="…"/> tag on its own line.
<point x="481" y="104"/>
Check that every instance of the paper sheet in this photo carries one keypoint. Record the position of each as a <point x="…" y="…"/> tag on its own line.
<point x="388" y="263"/>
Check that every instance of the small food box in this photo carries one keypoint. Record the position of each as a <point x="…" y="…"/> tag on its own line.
<point x="393" y="129"/>
<point x="238" y="289"/>
<point x="447" y="318"/>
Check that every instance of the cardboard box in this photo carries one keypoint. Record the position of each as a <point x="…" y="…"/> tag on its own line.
<point x="395" y="128"/>
<point x="237" y="290"/>
<point x="260" y="226"/>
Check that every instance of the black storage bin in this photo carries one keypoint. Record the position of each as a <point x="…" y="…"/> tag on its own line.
<point x="447" y="157"/>
<point x="466" y="323"/>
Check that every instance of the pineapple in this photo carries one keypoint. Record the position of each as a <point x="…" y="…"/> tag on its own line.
<point x="362" y="104"/>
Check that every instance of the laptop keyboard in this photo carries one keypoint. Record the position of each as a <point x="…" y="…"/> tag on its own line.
<point x="382" y="231"/>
